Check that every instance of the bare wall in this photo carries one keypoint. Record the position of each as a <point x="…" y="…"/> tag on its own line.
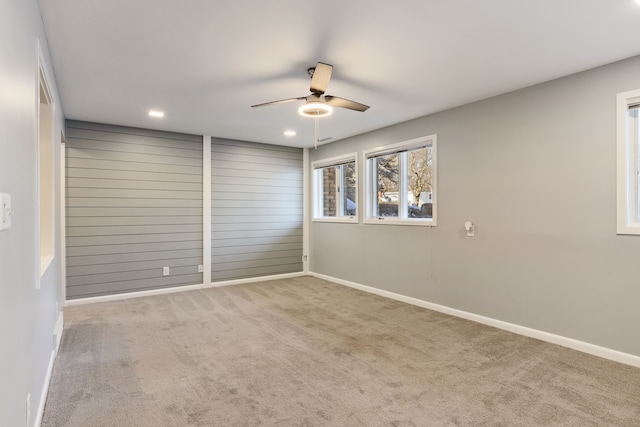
<point x="28" y="315"/>
<point x="535" y="171"/>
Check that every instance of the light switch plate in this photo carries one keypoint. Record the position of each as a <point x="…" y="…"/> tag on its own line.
<point x="5" y="211"/>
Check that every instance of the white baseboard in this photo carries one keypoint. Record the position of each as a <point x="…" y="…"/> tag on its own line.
<point x="255" y="279"/>
<point x="57" y="337"/>
<point x="57" y="333"/>
<point x="151" y="292"/>
<point x="45" y="390"/>
<point x="595" y="350"/>
<point x="139" y="294"/>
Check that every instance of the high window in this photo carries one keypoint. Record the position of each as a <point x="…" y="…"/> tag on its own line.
<point x="628" y="162"/>
<point x="335" y="189"/>
<point x="401" y="183"/>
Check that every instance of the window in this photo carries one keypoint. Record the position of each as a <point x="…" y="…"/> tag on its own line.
<point x="45" y="149"/>
<point x="628" y="163"/>
<point x="335" y="187"/>
<point x="401" y="183"/>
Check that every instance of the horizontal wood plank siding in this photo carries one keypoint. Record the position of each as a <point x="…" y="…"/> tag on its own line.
<point x="256" y="210"/>
<point x="133" y="206"/>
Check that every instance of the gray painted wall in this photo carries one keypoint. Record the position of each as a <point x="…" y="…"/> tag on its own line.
<point x="133" y="206"/>
<point x="28" y="315"/>
<point x="535" y="171"/>
<point x="256" y="210"/>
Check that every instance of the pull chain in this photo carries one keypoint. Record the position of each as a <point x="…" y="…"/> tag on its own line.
<point x="317" y="133"/>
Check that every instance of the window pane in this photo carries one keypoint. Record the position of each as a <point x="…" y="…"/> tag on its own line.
<point x="329" y="188"/>
<point x="387" y="177"/>
<point x="419" y="179"/>
<point x="349" y="189"/>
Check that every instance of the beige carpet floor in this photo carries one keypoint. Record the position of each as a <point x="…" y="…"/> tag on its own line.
<point x="306" y="352"/>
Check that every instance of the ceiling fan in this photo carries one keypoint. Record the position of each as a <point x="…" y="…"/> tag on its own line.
<point x="318" y="104"/>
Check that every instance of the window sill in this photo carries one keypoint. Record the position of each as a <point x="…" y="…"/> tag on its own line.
<point x="346" y="219"/>
<point x="629" y="230"/>
<point x="45" y="263"/>
<point x="395" y="221"/>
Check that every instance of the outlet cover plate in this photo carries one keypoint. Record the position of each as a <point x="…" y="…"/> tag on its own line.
<point x="5" y="211"/>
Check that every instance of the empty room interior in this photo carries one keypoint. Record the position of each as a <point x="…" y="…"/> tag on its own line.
<point x="341" y="213"/>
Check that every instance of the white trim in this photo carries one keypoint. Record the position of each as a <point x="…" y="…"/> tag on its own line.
<point x="595" y="350"/>
<point x="62" y="273"/>
<point x="43" y="86"/>
<point x="57" y="333"/>
<point x="206" y="209"/>
<point x="390" y="220"/>
<point x="399" y="146"/>
<point x="317" y="189"/>
<point x="305" y="210"/>
<point x="331" y="161"/>
<point x="434" y="179"/>
<point x="627" y="168"/>
<point x="255" y="279"/>
<point x="345" y="219"/>
<point x="152" y="292"/>
<point x="45" y="390"/>
<point x="117" y="297"/>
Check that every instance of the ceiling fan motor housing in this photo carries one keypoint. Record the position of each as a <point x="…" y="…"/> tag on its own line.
<point x="310" y="71"/>
<point x="315" y="107"/>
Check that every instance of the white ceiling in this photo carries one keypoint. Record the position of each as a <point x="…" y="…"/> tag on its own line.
<point x="204" y="62"/>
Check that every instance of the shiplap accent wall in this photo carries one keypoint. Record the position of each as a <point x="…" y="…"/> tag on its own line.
<point x="256" y="209"/>
<point x="134" y="205"/>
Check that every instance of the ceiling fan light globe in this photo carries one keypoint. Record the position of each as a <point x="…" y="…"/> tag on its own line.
<point x="315" y="109"/>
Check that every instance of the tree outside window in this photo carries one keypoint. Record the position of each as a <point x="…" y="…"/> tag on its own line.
<point x="401" y="181"/>
<point x="420" y="174"/>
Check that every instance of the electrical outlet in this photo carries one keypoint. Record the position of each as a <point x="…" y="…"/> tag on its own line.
<point x="5" y="211"/>
<point x="305" y="258"/>
<point x="165" y="271"/>
<point x="200" y="268"/>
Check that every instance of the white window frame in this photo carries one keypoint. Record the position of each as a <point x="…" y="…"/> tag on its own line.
<point x="45" y="149"/>
<point x="371" y="179"/>
<point x="627" y="165"/>
<point x="316" y="167"/>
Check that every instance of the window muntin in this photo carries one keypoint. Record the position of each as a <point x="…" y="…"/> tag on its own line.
<point x="335" y="189"/>
<point x="628" y="221"/>
<point x="401" y="182"/>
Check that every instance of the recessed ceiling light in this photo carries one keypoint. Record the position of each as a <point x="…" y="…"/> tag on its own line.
<point x="153" y="113"/>
<point x="289" y="133"/>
